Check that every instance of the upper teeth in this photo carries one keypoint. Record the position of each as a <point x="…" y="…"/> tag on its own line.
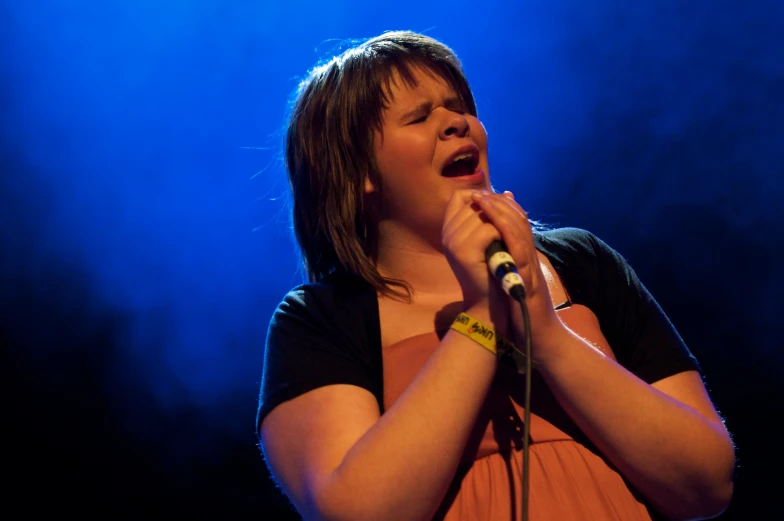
<point x="462" y="156"/>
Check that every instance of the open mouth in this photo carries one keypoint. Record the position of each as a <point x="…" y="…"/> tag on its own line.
<point x="461" y="165"/>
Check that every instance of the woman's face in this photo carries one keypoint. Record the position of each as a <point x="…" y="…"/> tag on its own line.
<point x="425" y="128"/>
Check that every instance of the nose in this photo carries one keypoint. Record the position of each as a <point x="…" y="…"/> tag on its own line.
<point x="455" y="125"/>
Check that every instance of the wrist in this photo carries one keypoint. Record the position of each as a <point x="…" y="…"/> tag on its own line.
<point x="480" y="311"/>
<point x="493" y="312"/>
<point x="481" y="332"/>
<point x="551" y="345"/>
<point x="485" y="335"/>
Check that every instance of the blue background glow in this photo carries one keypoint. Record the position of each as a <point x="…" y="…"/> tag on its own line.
<point x="145" y="238"/>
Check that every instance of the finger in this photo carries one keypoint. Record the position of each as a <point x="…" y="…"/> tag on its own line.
<point x="458" y="200"/>
<point x="466" y="213"/>
<point x="512" y="222"/>
<point x="514" y="212"/>
<point x="506" y="199"/>
<point x="503" y="212"/>
<point x="476" y="236"/>
<point x="526" y="225"/>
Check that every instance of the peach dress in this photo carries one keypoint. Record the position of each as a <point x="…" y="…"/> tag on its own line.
<point x="568" y="479"/>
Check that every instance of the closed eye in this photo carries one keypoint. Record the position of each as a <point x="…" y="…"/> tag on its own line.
<point x="457" y="108"/>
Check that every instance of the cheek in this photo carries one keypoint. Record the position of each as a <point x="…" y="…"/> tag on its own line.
<point x="405" y="151"/>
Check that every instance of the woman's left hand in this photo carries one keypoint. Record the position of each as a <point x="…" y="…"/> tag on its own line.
<point x="515" y="228"/>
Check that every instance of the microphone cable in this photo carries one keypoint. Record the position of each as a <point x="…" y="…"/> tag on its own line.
<point x="502" y="266"/>
<point x="526" y="401"/>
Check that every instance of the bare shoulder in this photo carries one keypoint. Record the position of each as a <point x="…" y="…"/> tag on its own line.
<point x="305" y="439"/>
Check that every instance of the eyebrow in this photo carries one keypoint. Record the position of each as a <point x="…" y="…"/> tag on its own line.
<point x="453" y="102"/>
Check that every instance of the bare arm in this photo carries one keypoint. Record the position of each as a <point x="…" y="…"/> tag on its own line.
<point x="665" y="438"/>
<point x="337" y="459"/>
<point x="346" y="462"/>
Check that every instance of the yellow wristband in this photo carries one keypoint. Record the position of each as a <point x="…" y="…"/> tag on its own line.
<point x="486" y="337"/>
<point x="480" y="333"/>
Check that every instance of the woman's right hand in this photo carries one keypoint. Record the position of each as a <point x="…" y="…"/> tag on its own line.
<point x="465" y="236"/>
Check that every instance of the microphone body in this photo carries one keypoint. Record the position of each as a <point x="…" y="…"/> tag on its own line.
<point x="503" y="268"/>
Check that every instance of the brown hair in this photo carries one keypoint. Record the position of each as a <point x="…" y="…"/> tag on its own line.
<point x="329" y="148"/>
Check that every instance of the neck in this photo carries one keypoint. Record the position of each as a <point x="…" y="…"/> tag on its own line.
<point x="417" y="260"/>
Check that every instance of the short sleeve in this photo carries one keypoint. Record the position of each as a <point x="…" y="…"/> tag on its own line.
<point x="640" y="334"/>
<point x="320" y="334"/>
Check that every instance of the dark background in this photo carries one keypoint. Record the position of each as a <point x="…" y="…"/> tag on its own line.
<point x="145" y="242"/>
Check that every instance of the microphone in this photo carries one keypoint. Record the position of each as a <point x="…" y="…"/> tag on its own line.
<point x="503" y="267"/>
